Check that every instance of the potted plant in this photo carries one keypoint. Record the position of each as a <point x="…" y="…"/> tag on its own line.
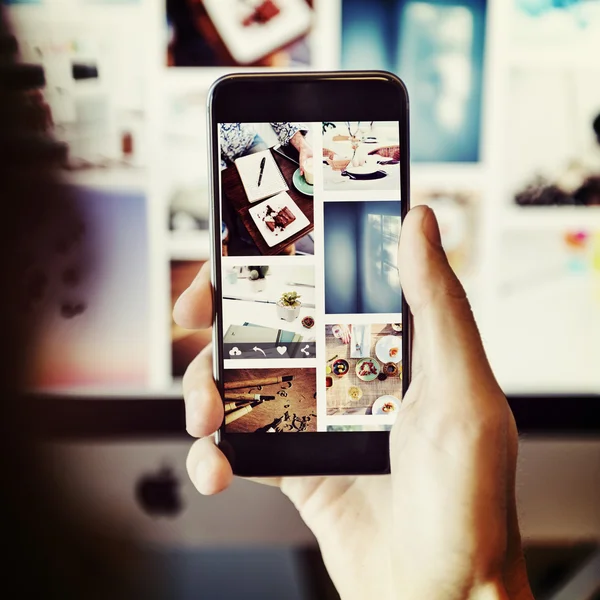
<point x="257" y="278"/>
<point x="288" y="306"/>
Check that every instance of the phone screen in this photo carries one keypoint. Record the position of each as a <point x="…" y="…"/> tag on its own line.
<point x="310" y="294"/>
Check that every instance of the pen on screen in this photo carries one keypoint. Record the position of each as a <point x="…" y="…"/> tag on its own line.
<point x="236" y="414"/>
<point x="230" y="396"/>
<point x="262" y="168"/>
<point x="250" y="383"/>
<point x="231" y="406"/>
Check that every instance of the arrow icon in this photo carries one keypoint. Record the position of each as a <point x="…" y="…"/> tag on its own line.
<point x="257" y="349"/>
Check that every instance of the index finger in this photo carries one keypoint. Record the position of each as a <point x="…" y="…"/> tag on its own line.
<point x="194" y="308"/>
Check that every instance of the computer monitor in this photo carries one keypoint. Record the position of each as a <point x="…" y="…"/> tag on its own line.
<point x="505" y="99"/>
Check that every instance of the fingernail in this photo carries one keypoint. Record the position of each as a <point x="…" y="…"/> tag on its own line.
<point x="431" y="229"/>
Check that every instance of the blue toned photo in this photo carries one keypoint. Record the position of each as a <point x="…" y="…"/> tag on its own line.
<point x="437" y="48"/>
<point x="361" y="247"/>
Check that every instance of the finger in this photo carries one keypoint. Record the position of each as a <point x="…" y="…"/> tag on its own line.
<point x="203" y="403"/>
<point x="193" y="309"/>
<point x="416" y="363"/>
<point x="208" y="468"/>
<point x="449" y="343"/>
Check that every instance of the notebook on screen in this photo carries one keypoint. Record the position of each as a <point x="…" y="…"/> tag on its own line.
<point x="272" y="181"/>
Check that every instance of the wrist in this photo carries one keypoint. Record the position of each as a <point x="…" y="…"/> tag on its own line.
<point x="297" y="140"/>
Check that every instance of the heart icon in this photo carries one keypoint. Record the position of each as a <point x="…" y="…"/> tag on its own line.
<point x="235" y="351"/>
<point x="282" y="350"/>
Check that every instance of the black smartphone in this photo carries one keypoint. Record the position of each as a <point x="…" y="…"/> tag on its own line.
<point x="311" y="332"/>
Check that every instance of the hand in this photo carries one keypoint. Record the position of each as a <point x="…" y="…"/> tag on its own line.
<point x="444" y="524"/>
<point x="299" y="142"/>
<point x="344" y="333"/>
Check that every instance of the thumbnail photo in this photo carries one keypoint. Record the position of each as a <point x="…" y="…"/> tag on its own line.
<point x="361" y="257"/>
<point x="270" y="400"/>
<point x="230" y="33"/>
<point x="267" y="189"/>
<point x="185" y="343"/>
<point x="361" y="155"/>
<point x="364" y="369"/>
<point x="554" y="133"/>
<point x="269" y="312"/>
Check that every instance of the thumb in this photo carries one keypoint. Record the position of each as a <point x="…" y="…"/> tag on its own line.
<point x="450" y="347"/>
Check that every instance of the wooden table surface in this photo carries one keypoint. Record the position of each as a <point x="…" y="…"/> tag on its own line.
<point x="235" y="193"/>
<point x="299" y="403"/>
<point x="338" y="401"/>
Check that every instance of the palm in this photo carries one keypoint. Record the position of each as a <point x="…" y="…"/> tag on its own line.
<point x="343" y="513"/>
<point x="350" y="518"/>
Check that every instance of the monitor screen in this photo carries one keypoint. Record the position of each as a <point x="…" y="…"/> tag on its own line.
<point x="505" y="137"/>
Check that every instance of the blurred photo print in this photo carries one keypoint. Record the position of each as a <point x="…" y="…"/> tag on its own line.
<point x="184" y="159"/>
<point x="88" y="95"/>
<point x="267" y="188"/>
<point x="270" y="400"/>
<point x="92" y="297"/>
<point x="437" y="48"/>
<point x="572" y="25"/>
<point x="268" y="312"/>
<point x="361" y="155"/>
<point x="554" y="156"/>
<point x="548" y="285"/>
<point x="361" y="248"/>
<point x="229" y="33"/>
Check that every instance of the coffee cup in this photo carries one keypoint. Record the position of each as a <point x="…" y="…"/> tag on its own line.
<point x="309" y="171"/>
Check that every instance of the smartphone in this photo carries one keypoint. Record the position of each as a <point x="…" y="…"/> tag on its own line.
<point x="311" y="332"/>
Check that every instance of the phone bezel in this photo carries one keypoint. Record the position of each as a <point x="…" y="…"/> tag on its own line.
<point x="304" y="97"/>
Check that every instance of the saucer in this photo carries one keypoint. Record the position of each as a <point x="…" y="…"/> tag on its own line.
<point x="300" y="183"/>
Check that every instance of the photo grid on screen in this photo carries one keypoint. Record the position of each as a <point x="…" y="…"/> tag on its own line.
<point x="311" y="300"/>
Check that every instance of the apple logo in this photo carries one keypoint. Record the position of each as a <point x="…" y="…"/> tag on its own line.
<point x="158" y="493"/>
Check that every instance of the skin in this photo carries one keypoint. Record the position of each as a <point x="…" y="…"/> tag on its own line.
<point x="346" y="333"/>
<point x="299" y="142"/>
<point x="444" y="523"/>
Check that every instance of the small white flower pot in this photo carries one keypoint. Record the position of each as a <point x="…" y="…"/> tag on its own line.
<point x="288" y="313"/>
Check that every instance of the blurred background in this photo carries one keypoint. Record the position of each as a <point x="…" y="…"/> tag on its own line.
<point x="505" y="134"/>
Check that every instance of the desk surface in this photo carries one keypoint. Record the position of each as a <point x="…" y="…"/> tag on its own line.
<point x="294" y="406"/>
<point x="238" y="312"/>
<point x="233" y="189"/>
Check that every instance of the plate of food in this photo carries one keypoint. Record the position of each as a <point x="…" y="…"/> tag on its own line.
<point x="367" y="369"/>
<point x="278" y="218"/>
<point x="340" y="367"/>
<point x="385" y="405"/>
<point x="389" y="349"/>
<point x="308" y="322"/>
<point x="355" y="393"/>
<point x="369" y="170"/>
